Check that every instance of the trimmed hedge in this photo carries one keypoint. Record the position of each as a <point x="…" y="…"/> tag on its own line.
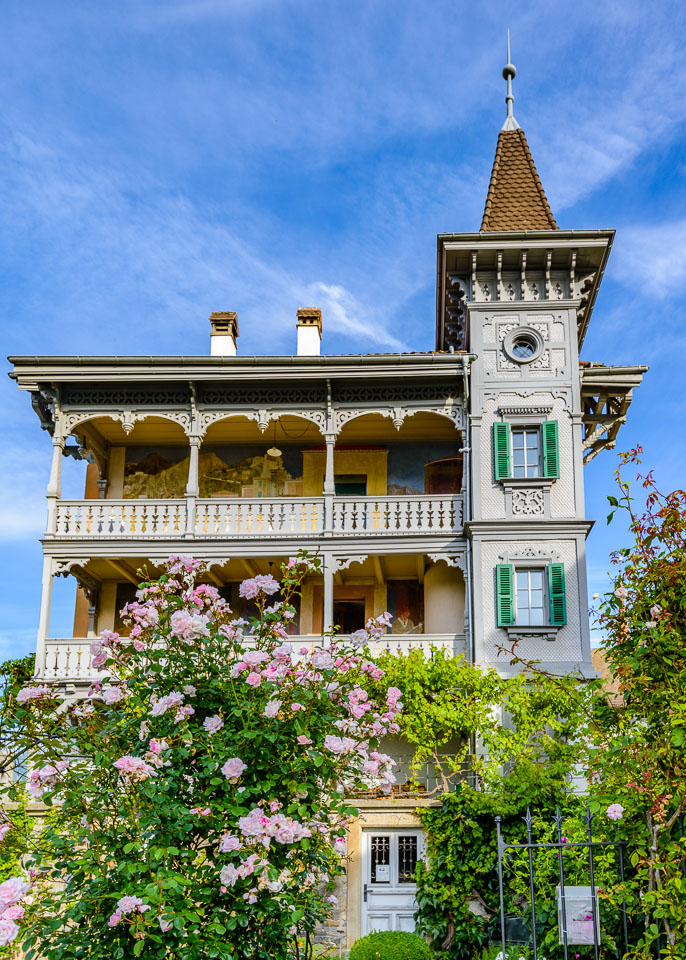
<point x="391" y="945"/>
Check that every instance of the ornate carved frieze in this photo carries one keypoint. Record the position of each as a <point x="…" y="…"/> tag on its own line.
<point x="455" y="334"/>
<point x="261" y="395"/>
<point x="451" y="559"/>
<point x="528" y="502"/>
<point x="529" y="554"/>
<point x="342" y="563"/>
<point x="135" y="396"/>
<point x="392" y="393"/>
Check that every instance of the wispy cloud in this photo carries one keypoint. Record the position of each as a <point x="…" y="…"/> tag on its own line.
<point x="655" y="253"/>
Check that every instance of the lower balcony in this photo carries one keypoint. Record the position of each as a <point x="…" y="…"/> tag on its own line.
<point x="69" y="660"/>
<point x="236" y="517"/>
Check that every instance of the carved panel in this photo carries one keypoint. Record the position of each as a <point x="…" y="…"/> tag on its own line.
<point x="527" y="502"/>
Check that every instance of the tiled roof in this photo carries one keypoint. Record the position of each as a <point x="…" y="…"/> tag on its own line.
<point x="516" y="199"/>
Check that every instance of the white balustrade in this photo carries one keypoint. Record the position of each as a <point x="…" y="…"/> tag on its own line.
<point x="104" y="519"/>
<point x="420" y="513"/>
<point x="273" y="517"/>
<point x="70" y="659"/>
<point x="238" y="517"/>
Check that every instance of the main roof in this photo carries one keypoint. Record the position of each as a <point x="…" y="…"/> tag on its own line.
<point x="516" y="199"/>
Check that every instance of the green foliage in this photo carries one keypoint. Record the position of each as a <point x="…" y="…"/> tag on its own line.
<point x="528" y="724"/>
<point x="457" y="886"/>
<point x="638" y="754"/>
<point x="391" y="945"/>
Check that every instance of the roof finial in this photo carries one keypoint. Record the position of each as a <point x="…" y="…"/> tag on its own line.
<point x="509" y="72"/>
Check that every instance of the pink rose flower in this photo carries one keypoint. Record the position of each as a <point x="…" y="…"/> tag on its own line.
<point x="615" y="811"/>
<point x="165" y="924"/>
<point x="8" y="931"/>
<point x="229" y="843"/>
<point x="263" y="583"/>
<point x="255" y="657"/>
<point x="272" y="708"/>
<point x="114" y="920"/>
<point x="189" y="626"/>
<point x="34" y="693"/>
<point x="213" y="724"/>
<point x="304" y="740"/>
<point x="112" y="695"/>
<point x="296" y="706"/>
<point x="135" y="767"/>
<point x="233" y="768"/>
<point x="4" y="830"/>
<point x="621" y="592"/>
<point x="254" y="679"/>
<point x="14" y="913"/>
<point x="11" y="891"/>
<point x="131" y="904"/>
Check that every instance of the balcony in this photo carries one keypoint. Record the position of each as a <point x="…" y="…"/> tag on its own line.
<point x="69" y="660"/>
<point x="235" y="518"/>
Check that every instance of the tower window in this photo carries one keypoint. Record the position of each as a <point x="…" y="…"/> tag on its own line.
<point x="529" y="596"/>
<point x="526" y="453"/>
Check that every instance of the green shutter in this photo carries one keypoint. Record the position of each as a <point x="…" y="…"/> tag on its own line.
<point x="556" y="590"/>
<point x="551" y="449"/>
<point x="501" y="450"/>
<point x="504" y="588"/>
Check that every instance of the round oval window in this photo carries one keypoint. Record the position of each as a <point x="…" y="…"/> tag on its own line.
<point x="523" y="347"/>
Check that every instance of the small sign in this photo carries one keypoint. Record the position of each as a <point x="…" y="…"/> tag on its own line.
<point x="383" y="873"/>
<point x="579" y="916"/>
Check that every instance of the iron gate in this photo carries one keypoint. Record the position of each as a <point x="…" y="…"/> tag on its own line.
<point x="590" y="845"/>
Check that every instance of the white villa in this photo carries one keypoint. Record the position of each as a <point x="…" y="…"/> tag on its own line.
<point x="444" y="486"/>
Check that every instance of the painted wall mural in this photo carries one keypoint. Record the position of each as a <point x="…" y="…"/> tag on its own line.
<point x="406" y="605"/>
<point x="247" y="470"/>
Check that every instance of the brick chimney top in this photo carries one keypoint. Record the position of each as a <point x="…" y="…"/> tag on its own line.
<point x="310" y="317"/>
<point x="224" y="333"/>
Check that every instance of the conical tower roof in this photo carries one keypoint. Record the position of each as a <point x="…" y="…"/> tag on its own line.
<point x="516" y="199"/>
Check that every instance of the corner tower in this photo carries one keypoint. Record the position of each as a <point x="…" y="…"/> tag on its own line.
<point x="519" y="294"/>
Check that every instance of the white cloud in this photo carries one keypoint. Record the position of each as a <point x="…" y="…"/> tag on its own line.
<point x="652" y="258"/>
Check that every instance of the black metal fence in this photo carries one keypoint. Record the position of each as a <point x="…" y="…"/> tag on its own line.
<point x="529" y="935"/>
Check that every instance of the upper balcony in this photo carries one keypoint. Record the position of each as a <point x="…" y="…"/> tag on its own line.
<point x="240" y="474"/>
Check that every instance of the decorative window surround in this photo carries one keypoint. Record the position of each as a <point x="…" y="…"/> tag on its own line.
<point x="527" y="497"/>
<point x="525" y="415"/>
<point x="517" y="634"/>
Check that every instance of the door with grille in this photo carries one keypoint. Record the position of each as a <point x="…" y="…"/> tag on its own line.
<point x="390" y="858"/>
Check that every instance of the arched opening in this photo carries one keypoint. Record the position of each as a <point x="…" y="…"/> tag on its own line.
<point x="239" y="460"/>
<point x="374" y="458"/>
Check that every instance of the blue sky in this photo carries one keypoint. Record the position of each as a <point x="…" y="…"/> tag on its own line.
<point x="160" y="160"/>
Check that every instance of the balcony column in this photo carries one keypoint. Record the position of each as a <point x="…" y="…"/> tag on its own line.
<point x="44" y="618"/>
<point x="192" y="487"/>
<point x="54" y="491"/>
<point x="329" y="483"/>
<point x="329" y="570"/>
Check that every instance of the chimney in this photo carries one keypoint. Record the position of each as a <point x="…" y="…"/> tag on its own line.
<point x="309" y="331"/>
<point x="224" y="333"/>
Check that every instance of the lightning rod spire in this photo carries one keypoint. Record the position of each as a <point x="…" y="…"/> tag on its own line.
<point x="509" y="73"/>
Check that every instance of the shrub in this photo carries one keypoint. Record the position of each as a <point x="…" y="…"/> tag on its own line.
<point x="391" y="945"/>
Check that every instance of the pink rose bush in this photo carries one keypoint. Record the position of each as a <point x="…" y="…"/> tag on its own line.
<point x="11" y="892"/>
<point x="205" y="783"/>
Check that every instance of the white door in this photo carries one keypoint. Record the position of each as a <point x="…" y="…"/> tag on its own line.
<point x="390" y="858"/>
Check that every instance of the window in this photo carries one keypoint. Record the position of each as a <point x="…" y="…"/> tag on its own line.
<point x="520" y="595"/>
<point x="529" y="598"/>
<point x="526" y="453"/>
